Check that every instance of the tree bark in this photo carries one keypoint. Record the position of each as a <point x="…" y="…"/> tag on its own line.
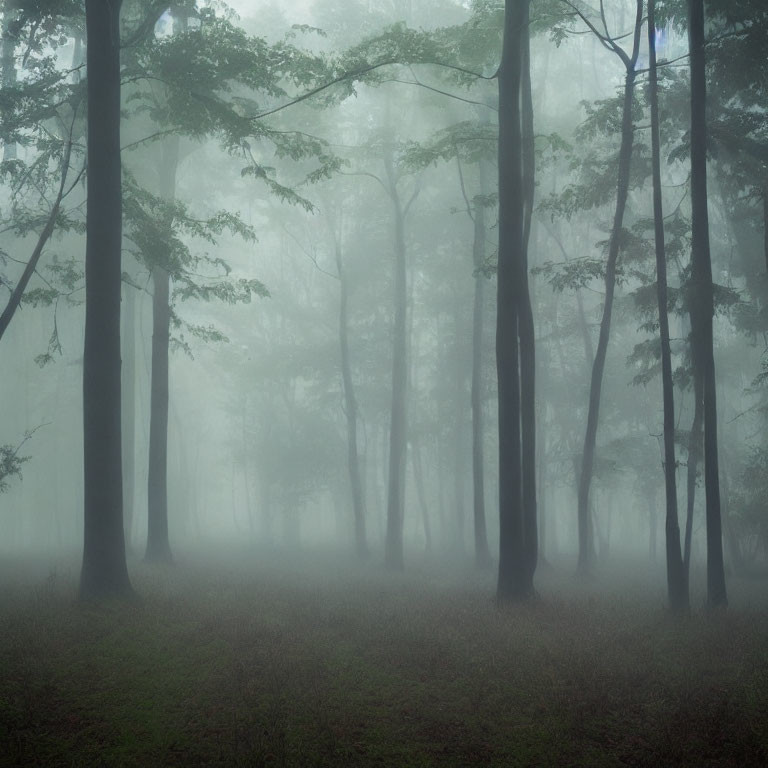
<point x="703" y="303"/>
<point x="694" y="453"/>
<point x="514" y="582"/>
<point x="525" y="322"/>
<point x="350" y="408"/>
<point x="398" y="421"/>
<point x="586" y="548"/>
<point x="418" y="476"/>
<point x="482" y="551"/>
<point x="677" y="585"/>
<point x="158" y="541"/>
<point x="8" y="68"/>
<point x="129" y="409"/>
<point x="104" y="572"/>
<point x="459" y="428"/>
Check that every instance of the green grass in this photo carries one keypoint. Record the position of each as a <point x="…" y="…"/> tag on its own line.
<point x="249" y="666"/>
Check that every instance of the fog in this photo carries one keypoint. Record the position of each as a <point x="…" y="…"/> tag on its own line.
<point x="389" y="335"/>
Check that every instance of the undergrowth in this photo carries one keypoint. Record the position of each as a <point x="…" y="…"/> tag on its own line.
<point x="252" y="667"/>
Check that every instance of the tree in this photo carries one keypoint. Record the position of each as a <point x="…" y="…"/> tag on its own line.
<point x="629" y="60"/>
<point x="702" y="302"/>
<point x="104" y="571"/>
<point x="350" y="400"/>
<point x="398" y="439"/>
<point x="518" y="542"/>
<point x="677" y="586"/>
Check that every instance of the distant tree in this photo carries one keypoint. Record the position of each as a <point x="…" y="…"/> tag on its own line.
<point x="350" y="400"/>
<point x="398" y="439"/>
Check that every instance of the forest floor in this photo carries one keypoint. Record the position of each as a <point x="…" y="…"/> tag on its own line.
<point x="243" y="665"/>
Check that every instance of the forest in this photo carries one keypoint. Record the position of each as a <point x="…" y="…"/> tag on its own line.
<point x="384" y="383"/>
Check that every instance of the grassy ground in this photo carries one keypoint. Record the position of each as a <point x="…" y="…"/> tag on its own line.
<point x="249" y="666"/>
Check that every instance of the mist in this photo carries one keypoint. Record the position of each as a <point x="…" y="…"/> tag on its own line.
<point x="384" y="383"/>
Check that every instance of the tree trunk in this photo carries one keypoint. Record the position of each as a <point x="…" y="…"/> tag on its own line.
<point x="703" y="302"/>
<point x="514" y="579"/>
<point x="104" y="572"/>
<point x="677" y="586"/>
<point x="598" y="367"/>
<point x="350" y="410"/>
<point x="397" y="432"/>
<point x="694" y="452"/>
<point x="482" y="552"/>
<point x="525" y="321"/>
<point x="459" y="431"/>
<point x="652" y="524"/>
<point x="8" y="68"/>
<point x="418" y="476"/>
<point x="158" y="541"/>
<point x="129" y="409"/>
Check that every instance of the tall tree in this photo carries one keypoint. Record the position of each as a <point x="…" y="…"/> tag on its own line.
<point x="398" y="441"/>
<point x="702" y="302"/>
<point x="350" y="400"/>
<point x="104" y="571"/>
<point x="629" y="60"/>
<point x="482" y="552"/>
<point x="517" y="534"/>
<point x="158" y="542"/>
<point x="677" y="586"/>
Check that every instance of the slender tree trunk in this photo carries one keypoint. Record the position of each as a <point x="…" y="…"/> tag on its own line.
<point x="158" y="541"/>
<point x="459" y="431"/>
<point x="129" y="409"/>
<point x="677" y="586"/>
<point x="350" y="409"/>
<point x="398" y="422"/>
<point x="694" y="453"/>
<point x="104" y="572"/>
<point x="482" y="552"/>
<point x="652" y="524"/>
<point x="8" y="68"/>
<point x="514" y="580"/>
<point x="525" y="321"/>
<point x="598" y="367"/>
<point x="703" y="302"/>
<point x="418" y="476"/>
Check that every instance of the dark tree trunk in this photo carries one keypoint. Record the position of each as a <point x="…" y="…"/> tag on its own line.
<point x="703" y="302"/>
<point x="482" y="552"/>
<point x="525" y="322"/>
<point x="350" y="410"/>
<point x="397" y="432"/>
<point x="586" y="548"/>
<point x="129" y="409"/>
<point x="14" y="301"/>
<point x="8" y="68"/>
<point x="765" y="226"/>
<point x="104" y="572"/>
<point x="158" y="542"/>
<point x="677" y="586"/>
<point x="514" y="579"/>
<point x="459" y="431"/>
<point x="652" y="525"/>
<point x="694" y="453"/>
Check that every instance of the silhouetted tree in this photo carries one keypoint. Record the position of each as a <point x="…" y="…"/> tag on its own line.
<point x="104" y="571"/>
<point x="702" y="302"/>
